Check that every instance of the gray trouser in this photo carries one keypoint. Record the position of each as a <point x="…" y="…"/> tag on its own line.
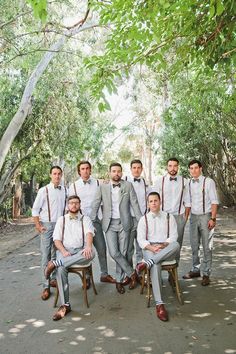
<point x="48" y="251"/>
<point x="100" y="245"/>
<point x="132" y="240"/>
<point x="180" y="221"/>
<point x="166" y="254"/>
<point x="117" y="243"/>
<point x="62" y="272"/>
<point x="199" y="232"/>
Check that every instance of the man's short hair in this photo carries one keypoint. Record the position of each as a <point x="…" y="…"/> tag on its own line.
<point x="173" y="159"/>
<point x="154" y="193"/>
<point x="83" y="162"/>
<point x="74" y="197"/>
<point x="192" y="162"/>
<point x="115" y="164"/>
<point x="56" y="167"/>
<point x="136" y="161"/>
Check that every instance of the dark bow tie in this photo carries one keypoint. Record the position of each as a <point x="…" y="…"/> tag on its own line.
<point x="73" y="217"/>
<point x="57" y="187"/>
<point x="87" y="182"/>
<point x="173" y="179"/>
<point x="116" y="185"/>
<point x="137" y="180"/>
<point x="196" y="180"/>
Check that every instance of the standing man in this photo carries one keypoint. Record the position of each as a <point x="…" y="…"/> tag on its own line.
<point x="204" y="202"/>
<point x="140" y="187"/>
<point x="173" y="190"/>
<point x="157" y="236"/>
<point x="48" y="206"/>
<point x="73" y="238"/>
<point x="117" y="197"/>
<point x="86" y="187"/>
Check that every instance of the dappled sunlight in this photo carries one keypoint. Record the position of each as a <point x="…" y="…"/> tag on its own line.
<point x="201" y="315"/>
<point x="16" y="271"/>
<point x="81" y="338"/>
<point x="230" y="351"/>
<point x="76" y="319"/>
<point x="54" y="331"/>
<point x="34" y="267"/>
<point x="145" y="349"/>
<point x="79" y="329"/>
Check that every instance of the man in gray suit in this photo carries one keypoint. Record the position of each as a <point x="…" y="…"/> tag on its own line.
<point x="116" y="198"/>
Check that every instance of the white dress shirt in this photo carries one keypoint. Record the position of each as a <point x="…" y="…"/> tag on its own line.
<point x="157" y="229"/>
<point x="73" y="235"/>
<point x="115" y="202"/>
<point x="172" y="193"/>
<point x="86" y="192"/>
<point x="195" y="195"/>
<point x="57" y="199"/>
<point x="141" y="190"/>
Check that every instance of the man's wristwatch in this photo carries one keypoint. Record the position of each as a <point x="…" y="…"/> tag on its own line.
<point x="213" y="219"/>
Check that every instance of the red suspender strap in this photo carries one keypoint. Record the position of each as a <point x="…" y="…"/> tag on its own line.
<point x="49" y="212"/>
<point x="75" y="188"/>
<point x="63" y="229"/>
<point x="146" y="222"/>
<point x="65" y="201"/>
<point x="162" y="193"/>
<point x="181" y="197"/>
<point x="203" y="195"/>
<point x="97" y="182"/>
<point x="168" y="225"/>
<point x="82" y="224"/>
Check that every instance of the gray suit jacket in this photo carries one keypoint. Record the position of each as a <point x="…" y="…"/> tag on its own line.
<point x="128" y="198"/>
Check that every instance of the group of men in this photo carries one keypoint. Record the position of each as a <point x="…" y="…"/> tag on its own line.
<point x="133" y="217"/>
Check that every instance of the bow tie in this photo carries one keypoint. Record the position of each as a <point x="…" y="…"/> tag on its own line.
<point x="196" y="180"/>
<point x="154" y="216"/>
<point x="137" y="180"/>
<point x="57" y="187"/>
<point x="116" y="185"/>
<point x="173" y="179"/>
<point x="73" y="217"/>
<point x="87" y="182"/>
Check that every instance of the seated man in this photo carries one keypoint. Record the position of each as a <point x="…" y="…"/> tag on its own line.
<point x="157" y="236"/>
<point x="73" y="238"/>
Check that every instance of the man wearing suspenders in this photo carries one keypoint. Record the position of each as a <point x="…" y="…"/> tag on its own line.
<point x="140" y="187"/>
<point x="204" y="202"/>
<point x="173" y="190"/>
<point x="86" y="187"/>
<point x="157" y="236"/>
<point x="48" y="206"/>
<point x="73" y="238"/>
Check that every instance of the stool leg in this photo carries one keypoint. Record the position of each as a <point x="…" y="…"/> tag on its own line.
<point x="56" y="297"/>
<point x="177" y="287"/>
<point x="85" y="288"/>
<point x="92" y="281"/>
<point x="143" y="281"/>
<point x="148" y="288"/>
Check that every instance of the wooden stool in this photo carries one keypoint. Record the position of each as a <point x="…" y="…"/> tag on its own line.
<point x="171" y="268"/>
<point x="81" y="271"/>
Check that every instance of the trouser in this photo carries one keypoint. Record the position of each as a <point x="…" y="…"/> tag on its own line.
<point x="100" y="245"/>
<point x="62" y="271"/>
<point x="48" y="251"/>
<point x="132" y="241"/>
<point x="180" y="221"/>
<point x="117" y="243"/>
<point x="166" y="254"/>
<point x="199" y="232"/>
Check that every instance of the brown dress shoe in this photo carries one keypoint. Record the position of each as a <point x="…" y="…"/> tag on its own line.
<point x="191" y="275"/>
<point x="49" y="269"/>
<point x="107" y="279"/>
<point x="61" y="312"/>
<point x="205" y="280"/>
<point x="126" y="281"/>
<point x="140" y="267"/>
<point x="120" y="288"/>
<point x="45" y="294"/>
<point x="133" y="281"/>
<point x="53" y="283"/>
<point x="161" y="312"/>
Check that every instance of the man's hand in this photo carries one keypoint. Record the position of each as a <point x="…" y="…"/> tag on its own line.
<point x="211" y="224"/>
<point x="87" y="252"/>
<point x="66" y="253"/>
<point x="40" y="228"/>
<point x="156" y="248"/>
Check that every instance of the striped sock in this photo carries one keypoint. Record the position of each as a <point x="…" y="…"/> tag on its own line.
<point x="149" y="263"/>
<point x="57" y="263"/>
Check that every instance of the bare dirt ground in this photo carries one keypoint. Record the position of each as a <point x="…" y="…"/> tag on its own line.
<point x="114" y="323"/>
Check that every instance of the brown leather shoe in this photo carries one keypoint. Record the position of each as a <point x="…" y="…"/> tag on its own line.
<point x="161" y="312"/>
<point x="205" y="280"/>
<point x="120" y="288"/>
<point x="133" y="281"/>
<point x="140" y="267"/>
<point x="49" y="269"/>
<point x="88" y="283"/>
<point x="61" y="312"/>
<point x="191" y="275"/>
<point x="45" y="294"/>
<point x="53" y="283"/>
<point x="107" y="279"/>
<point x="126" y="281"/>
